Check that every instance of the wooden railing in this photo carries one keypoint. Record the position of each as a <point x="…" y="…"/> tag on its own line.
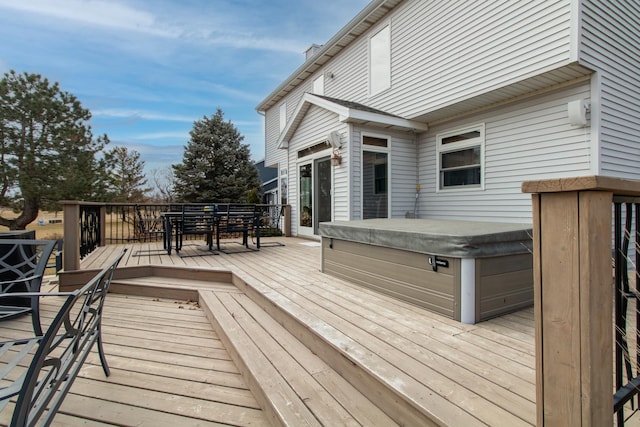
<point x="88" y="225"/>
<point x="574" y="298"/>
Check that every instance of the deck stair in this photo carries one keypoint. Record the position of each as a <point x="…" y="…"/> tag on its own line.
<point x="320" y="356"/>
<point x="294" y="386"/>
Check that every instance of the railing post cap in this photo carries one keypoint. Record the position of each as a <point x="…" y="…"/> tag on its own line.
<point x="617" y="186"/>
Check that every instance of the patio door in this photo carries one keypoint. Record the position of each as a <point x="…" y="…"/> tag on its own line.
<point x="314" y="195"/>
<point x="322" y="186"/>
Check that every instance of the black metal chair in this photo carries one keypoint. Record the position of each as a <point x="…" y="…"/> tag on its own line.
<point x="22" y="266"/>
<point x="238" y="219"/>
<point x="196" y="220"/>
<point x="150" y="228"/>
<point x="59" y="354"/>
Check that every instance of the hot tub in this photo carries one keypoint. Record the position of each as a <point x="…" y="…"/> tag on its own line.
<point x="466" y="270"/>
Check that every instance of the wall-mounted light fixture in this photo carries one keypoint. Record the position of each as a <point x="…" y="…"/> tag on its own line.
<point x="577" y="111"/>
<point x="336" y="144"/>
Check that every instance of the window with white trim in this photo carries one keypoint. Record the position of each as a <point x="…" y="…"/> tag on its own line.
<point x="461" y="158"/>
<point x="380" y="61"/>
<point x="375" y="177"/>
<point x="283" y="116"/>
<point x="318" y="85"/>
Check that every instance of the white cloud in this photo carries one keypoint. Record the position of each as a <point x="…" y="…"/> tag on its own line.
<point x="221" y="28"/>
<point x="142" y="115"/>
<point x="93" y="12"/>
<point x="163" y="135"/>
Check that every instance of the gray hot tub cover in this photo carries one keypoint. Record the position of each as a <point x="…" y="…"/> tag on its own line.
<point x="457" y="239"/>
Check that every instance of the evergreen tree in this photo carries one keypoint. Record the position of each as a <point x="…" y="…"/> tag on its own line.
<point x="126" y="176"/>
<point x="47" y="150"/>
<point x="216" y="166"/>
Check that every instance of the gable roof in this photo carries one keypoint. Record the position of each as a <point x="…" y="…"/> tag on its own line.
<point x="368" y="17"/>
<point x="348" y="112"/>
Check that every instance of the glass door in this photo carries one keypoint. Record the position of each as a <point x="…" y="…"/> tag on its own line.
<point x="322" y="184"/>
<point x="305" y="199"/>
<point x="314" y="195"/>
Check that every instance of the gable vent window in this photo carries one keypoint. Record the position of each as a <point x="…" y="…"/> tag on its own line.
<point x="380" y="61"/>
<point x="461" y="158"/>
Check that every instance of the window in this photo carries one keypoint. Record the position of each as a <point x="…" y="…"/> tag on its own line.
<point x="283" y="116"/>
<point x="460" y="158"/>
<point x="318" y="85"/>
<point x="375" y="177"/>
<point x="380" y="61"/>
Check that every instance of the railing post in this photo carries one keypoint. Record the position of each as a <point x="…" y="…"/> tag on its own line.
<point x="287" y="220"/>
<point x="71" y="241"/>
<point x="103" y="225"/>
<point x="573" y="294"/>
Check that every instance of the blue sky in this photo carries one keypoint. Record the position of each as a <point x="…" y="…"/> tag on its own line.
<point x="148" y="69"/>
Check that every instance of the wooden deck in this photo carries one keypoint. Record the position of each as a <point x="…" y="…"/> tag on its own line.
<point x="168" y="368"/>
<point x="332" y="352"/>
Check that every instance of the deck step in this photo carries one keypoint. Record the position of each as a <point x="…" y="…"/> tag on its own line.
<point x="391" y="387"/>
<point x="167" y="287"/>
<point x="293" y="385"/>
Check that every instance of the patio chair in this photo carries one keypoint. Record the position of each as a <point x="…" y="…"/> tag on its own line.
<point x="22" y="266"/>
<point x="39" y="382"/>
<point x="196" y="220"/>
<point x="149" y="228"/>
<point x="238" y="219"/>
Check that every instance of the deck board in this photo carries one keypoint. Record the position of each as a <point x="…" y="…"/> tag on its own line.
<point x="476" y="364"/>
<point x="168" y="368"/>
<point x="432" y="375"/>
<point x="481" y="374"/>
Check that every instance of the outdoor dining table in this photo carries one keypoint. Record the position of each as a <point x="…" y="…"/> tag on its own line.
<point x="170" y="220"/>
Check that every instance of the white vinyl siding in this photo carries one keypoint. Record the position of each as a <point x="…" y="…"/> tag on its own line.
<point x="528" y="141"/>
<point x="404" y="165"/>
<point x="441" y="55"/>
<point x="611" y="44"/>
<point x="445" y="52"/>
<point x="283" y="116"/>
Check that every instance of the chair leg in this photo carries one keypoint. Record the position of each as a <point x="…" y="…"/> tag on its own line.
<point x="103" y="359"/>
<point x="35" y="316"/>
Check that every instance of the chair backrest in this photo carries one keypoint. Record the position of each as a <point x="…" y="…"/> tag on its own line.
<point x="21" y="259"/>
<point x="142" y="227"/>
<point x="238" y="217"/>
<point x="197" y="219"/>
<point x="62" y="351"/>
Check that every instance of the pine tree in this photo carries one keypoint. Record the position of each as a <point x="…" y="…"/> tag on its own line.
<point x="127" y="181"/>
<point x="47" y="150"/>
<point x="216" y="166"/>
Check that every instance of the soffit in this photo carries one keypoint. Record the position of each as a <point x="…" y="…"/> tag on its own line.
<point x="549" y="81"/>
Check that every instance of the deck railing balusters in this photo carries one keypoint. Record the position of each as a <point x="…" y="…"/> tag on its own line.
<point x="89" y="225"/>
<point x="627" y="375"/>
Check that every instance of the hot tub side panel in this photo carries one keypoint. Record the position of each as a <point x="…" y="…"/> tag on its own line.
<point x="503" y="284"/>
<point x="402" y="274"/>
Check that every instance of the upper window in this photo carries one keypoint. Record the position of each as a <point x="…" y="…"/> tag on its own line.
<point x="461" y="158"/>
<point x="318" y="85"/>
<point x="380" y="61"/>
<point x="283" y="116"/>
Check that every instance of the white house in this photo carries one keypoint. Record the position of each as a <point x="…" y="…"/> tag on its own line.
<point x="440" y="110"/>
